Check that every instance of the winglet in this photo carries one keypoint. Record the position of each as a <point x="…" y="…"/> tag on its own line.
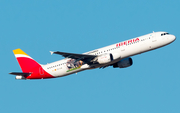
<point x="51" y="52"/>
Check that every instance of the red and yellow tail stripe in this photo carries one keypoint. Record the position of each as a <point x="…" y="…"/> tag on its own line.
<point x="29" y="65"/>
<point x="20" y="53"/>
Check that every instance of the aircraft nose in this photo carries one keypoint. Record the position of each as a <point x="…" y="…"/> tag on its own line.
<point x="173" y="38"/>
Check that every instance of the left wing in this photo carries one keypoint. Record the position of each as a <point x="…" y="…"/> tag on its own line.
<point x="84" y="57"/>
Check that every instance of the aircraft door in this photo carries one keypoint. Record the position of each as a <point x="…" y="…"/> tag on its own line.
<point x="122" y="48"/>
<point x="153" y="37"/>
<point x="41" y="71"/>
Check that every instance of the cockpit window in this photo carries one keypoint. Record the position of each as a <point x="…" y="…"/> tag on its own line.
<point x="164" y="34"/>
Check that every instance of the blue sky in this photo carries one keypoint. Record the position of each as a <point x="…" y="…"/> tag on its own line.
<point x="150" y="85"/>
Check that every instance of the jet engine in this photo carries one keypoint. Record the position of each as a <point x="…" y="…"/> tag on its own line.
<point x="123" y="63"/>
<point x="106" y="58"/>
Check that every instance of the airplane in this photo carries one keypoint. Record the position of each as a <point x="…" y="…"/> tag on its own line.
<point x="117" y="55"/>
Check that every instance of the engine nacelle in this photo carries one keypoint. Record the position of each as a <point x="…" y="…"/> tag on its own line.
<point x="123" y="63"/>
<point x="106" y="58"/>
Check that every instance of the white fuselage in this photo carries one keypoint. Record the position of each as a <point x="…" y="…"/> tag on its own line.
<point x="119" y="51"/>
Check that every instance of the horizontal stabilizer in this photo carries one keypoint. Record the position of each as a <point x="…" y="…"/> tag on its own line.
<point x="20" y="73"/>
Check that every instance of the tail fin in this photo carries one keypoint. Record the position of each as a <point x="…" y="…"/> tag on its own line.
<point x="25" y="61"/>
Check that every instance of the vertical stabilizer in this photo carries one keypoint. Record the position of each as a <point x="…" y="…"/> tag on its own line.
<point x="25" y="61"/>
